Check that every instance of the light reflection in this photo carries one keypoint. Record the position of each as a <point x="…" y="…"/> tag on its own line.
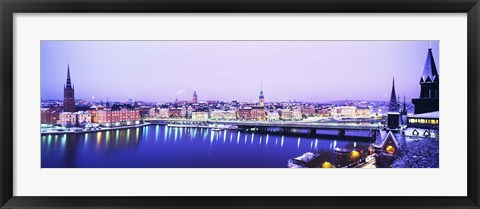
<point x="99" y="138"/>
<point x="205" y="133"/>
<point x="334" y="144"/>
<point x="281" y="144"/>
<point x="170" y="132"/>
<point x="253" y="134"/>
<point x="165" y="133"/>
<point x="128" y="135"/>
<point x="146" y="128"/>
<point x="238" y="137"/>
<point x="298" y="143"/>
<point x="64" y="140"/>
<point x="137" y="130"/>
<point x="108" y="136"/>
<point x="224" y="136"/>
<point x="116" y="136"/>
<point x="157" y="129"/>
<point x="266" y="141"/>
<point x="316" y="143"/>
<point x="260" y="142"/>
<point x="231" y="137"/>
<point x="176" y="134"/>
<point x="181" y="133"/>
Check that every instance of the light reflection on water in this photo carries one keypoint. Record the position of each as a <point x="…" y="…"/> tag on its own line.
<point x="179" y="148"/>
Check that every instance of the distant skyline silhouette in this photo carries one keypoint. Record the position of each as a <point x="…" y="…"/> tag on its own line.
<point x="161" y="71"/>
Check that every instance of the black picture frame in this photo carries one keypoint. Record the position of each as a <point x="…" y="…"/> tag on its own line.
<point x="9" y="7"/>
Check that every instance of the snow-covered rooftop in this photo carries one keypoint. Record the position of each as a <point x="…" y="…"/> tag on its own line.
<point x="426" y="115"/>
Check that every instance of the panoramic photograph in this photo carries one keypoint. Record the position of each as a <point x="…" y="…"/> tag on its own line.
<point x="239" y="104"/>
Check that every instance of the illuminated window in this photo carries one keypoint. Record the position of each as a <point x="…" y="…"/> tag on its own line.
<point x="390" y="149"/>
<point x="327" y="165"/>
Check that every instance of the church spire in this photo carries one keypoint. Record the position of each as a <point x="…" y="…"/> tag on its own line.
<point x="430" y="73"/>
<point x="69" y="81"/>
<point x="393" y="106"/>
<point x="261" y="98"/>
<point x="261" y="90"/>
<point x="429" y="87"/>
<point x="68" y="94"/>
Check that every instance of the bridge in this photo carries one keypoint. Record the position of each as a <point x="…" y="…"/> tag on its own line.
<point x="338" y="130"/>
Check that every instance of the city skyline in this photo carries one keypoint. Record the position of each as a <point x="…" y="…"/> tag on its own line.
<point x="143" y="76"/>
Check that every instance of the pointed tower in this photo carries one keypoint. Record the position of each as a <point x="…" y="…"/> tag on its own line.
<point x="68" y="94"/>
<point x="195" y="98"/>
<point x="429" y="91"/>
<point x="393" y="106"/>
<point x="404" y="109"/>
<point x="261" y="98"/>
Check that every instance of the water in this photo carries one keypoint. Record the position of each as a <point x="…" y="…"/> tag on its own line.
<point x="157" y="146"/>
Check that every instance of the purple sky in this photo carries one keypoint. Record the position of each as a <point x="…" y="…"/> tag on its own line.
<point x="312" y="71"/>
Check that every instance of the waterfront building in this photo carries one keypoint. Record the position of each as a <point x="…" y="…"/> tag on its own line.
<point x="144" y="110"/>
<point x="344" y="111"/>
<point x="223" y="115"/>
<point x="68" y="119"/>
<point x="189" y="111"/>
<point x="429" y="91"/>
<point x="83" y="118"/>
<point x="364" y="112"/>
<point x="200" y="115"/>
<point x="195" y="98"/>
<point x="272" y="115"/>
<point x="245" y="113"/>
<point x="68" y="94"/>
<point x="296" y="113"/>
<point x="183" y="112"/>
<point x="50" y="115"/>
<point x="163" y="113"/>
<point x="258" y="113"/>
<point x="118" y="115"/>
<point x="152" y="113"/>
<point x="175" y="112"/>
<point x="308" y="110"/>
<point x="324" y="112"/>
<point x="394" y="104"/>
<point x="290" y="114"/>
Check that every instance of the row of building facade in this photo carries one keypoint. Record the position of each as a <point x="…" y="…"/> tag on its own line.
<point x="260" y="113"/>
<point x="117" y="115"/>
